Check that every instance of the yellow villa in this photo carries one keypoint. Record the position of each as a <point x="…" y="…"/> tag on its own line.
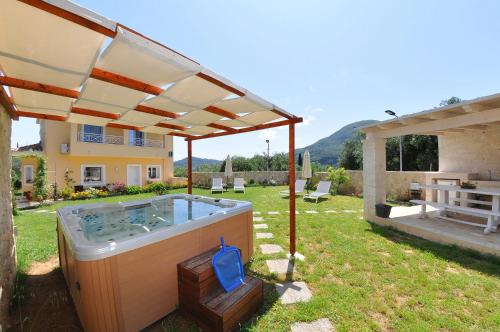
<point x="96" y="156"/>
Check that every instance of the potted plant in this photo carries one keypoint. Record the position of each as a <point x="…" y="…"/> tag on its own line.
<point x="383" y="210"/>
<point x="467" y="185"/>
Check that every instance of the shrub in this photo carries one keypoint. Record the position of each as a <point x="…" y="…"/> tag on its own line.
<point x="118" y="187"/>
<point x="159" y="188"/>
<point x="66" y="192"/>
<point x="85" y="194"/>
<point x="337" y="176"/>
<point x="102" y="193"/>
<point x="133" y="190"/>
<point x="40" y="180"/>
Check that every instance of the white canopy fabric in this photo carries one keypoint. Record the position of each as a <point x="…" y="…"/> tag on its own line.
<point x="228" y="170"/>
<point x="306" y="166"/>
<point x="52" y="63"/>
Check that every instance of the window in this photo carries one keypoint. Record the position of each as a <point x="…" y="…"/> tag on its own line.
<point x="154" y="172"/>
<point x="28" y="174"/>
<point x="93" y="134"/>
<point x="136" y="138"/>
<point x="170" y="154"/>
<point x="93" y="175"/>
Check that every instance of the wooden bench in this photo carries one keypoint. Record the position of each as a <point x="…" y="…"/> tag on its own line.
<point x="202" y="299"/>
<point x="491" y="225"/>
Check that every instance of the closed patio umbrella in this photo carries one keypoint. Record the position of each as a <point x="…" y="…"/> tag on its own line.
<point x="306" y="166"/>
<point x="228" y="170"/>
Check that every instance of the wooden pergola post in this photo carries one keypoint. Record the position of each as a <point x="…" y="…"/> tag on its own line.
<point x="190" y="166"/>
<point x="291" y="179"/>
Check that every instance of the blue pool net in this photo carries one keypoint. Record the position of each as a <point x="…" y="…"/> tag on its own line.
<point x="228" y="267"/>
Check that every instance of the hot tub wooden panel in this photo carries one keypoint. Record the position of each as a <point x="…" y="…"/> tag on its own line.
<point x="132" y="290"/>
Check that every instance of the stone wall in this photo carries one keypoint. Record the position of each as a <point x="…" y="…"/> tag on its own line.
<point x="397" y="183"/>
<point x="474" y="152"/>
<point x="7" y="243"/>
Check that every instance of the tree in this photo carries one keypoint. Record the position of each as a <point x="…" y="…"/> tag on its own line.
<point x="450" y="101"/>
<point x="337" y="176"/>
<point x="351" y="155"/>
<point x="40" y="180"/>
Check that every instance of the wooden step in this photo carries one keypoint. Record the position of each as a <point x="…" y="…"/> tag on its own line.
<point x="202" y="298"/>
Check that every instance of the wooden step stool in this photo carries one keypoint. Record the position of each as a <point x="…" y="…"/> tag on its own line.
<point x="203" y="299"/>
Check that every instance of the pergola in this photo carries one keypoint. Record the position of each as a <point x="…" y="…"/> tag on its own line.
<point x="469" y="142"/>
<point x="62" y="62"/>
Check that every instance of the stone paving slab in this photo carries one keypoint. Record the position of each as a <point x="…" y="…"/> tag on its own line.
<point x="269" y="249"/>
<point x="293" y="292"/>
<point x="280" y="266"/>
<point x="349" y="211"/>
<point x="320" y="325"/>
<point x="260" y="226"/>
<point x="256" y="212"/>
<point x="264" y="235"/>
<point x="273" y="212"/>
<point x="41" y="211"/>
<point x="258" y="219"/>
<point x="330" y="211"/>
<point x="312" y="212"/>
<point x="296" y="212"/>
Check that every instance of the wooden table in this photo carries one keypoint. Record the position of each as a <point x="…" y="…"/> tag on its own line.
<point x="493" y="213"/>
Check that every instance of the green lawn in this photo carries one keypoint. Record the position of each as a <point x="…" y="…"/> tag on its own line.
<point x="363" y="277"/>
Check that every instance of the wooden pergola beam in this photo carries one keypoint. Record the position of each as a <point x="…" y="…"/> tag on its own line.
<point x="41" y="116"/>
<point x="7" y="103"/>
<point x="221" y="84"/>
<point x="70" y="17"/>
<point x="155" y="111"/>
<point x="123" y="126"/>
<point x="221" y="127"/>
<point x="39" y="87"/>
<point x="127" y="82"/>
<point x="221" y="112"/>
<point x="170" y="126"/>
<point x="190" y="167"/>
<point x="250" y="129"/>
<point x="291" y="184"/>
<point x="85" y="111"/>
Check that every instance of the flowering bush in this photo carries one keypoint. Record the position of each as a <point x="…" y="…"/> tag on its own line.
<point x="118" y="187"/>
<point x="159" y="188"/>
<point x="102" y="193"/>
<point x="86" y="194"/>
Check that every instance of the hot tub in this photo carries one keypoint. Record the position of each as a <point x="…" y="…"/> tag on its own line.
<point x="120" y="260"/>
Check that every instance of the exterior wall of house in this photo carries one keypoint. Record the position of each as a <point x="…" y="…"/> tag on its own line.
<point x="113" y="157"/>
<point x="471" y="152"/>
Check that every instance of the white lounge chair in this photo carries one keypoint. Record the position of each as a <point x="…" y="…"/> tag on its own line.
<point x="217" y="185"/>
<point x="239" y="184"/>
<point x="299" y="188"/>
<point x="323" y="189"/>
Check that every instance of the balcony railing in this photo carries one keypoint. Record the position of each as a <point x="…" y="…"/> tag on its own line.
<point x="118" y="140"/>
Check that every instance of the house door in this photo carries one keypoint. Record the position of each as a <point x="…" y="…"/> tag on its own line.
<point x="134" y="175"/>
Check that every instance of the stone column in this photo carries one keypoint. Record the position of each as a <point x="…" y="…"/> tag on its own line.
<point x="374" y="162"/>
<point x="7" y="244"/>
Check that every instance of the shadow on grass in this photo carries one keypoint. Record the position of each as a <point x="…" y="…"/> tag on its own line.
<point x="466" y="258"/>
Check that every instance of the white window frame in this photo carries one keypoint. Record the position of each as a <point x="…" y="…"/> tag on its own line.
<point x="158" y="172"/>
<point x="140" y="173"/>
<point x="95" y="183"/>
<point x="32" y="174"/>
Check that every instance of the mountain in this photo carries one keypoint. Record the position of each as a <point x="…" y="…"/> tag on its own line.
<point x="327" y="150"/>
<point x="197" y="162"/>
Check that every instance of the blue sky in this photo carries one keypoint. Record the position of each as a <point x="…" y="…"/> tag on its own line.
<point x="332" y="62"/>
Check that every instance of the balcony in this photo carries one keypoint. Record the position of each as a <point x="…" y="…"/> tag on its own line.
<point x="118" y="140"/>
<point x="99" y="145"/>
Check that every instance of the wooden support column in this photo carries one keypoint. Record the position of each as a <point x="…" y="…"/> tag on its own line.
<point x="291" y="179"/>
<point x="190" y="167"/>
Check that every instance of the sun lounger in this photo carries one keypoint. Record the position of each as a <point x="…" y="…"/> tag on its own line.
<point x="299" y="188"/>
<point x="239" y="184"/>
<point x="323" y="189"/>
<point x="217" y="185"/>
